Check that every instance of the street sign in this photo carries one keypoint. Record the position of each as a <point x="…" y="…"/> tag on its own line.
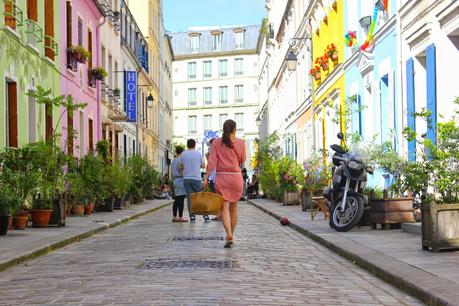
<point x="209" y="134"/>
<point x="131" y="95"/>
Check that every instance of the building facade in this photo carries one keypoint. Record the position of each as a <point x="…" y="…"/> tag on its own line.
<point x="30" y="56"/>
<point x="215" y="78"/>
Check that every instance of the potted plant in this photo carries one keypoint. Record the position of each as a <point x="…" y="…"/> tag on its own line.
<point x="323" y="62"/>
<point x="393" y="207"/>
<point x="116" y="92"/>
<point x="136" y="166"/>
<point x="315" y="72"/>
<point x="99" y="73"/>
<point x="290" y="177"/>
<point x="151" y="181"/>
<point x="48" y="162"/>
<point x="435" y="177"/>
<point x="79" y="53"/>
<point x="332" y="53"/>
<point x="117" y="183"/>
<point x="269" y="154"/>
<point x="317" y="174"/>
<point x="116" y="14"/>
<point x="90" y="179"/>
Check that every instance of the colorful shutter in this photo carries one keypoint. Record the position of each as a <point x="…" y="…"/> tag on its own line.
<point x="431" y="92"/>
<point x="410" y="107"/>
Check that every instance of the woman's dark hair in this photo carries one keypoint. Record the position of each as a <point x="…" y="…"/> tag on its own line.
<point x="178" y="149"/>
<point x="228" y="127"/>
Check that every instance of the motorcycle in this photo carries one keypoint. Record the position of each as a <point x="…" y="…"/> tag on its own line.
<point x="349" y="178"/>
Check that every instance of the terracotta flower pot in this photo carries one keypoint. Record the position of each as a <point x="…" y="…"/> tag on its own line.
<point x="20" y="221"/>
<point x="88" y="209"/>
<point x="325" y="66"/>
<point x="334" y="56"/>
<point x="41" y="217"/>
<point x="317" y="76"/>
<point x="78" y="209"/>
<point x="10" y="223"/>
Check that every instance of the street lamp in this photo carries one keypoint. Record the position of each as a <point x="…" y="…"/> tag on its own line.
<point x="292" y="61"/>
<point x="150" y="101"/>
<point x="258" y="121"/>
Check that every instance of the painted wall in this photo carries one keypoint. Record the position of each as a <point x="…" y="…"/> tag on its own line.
<point x="27" y="65"/>
<point x="76" y="83"/>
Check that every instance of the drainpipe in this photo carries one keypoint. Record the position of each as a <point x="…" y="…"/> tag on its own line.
<point x="400" y="89"/>
<point x="99" y="101"/>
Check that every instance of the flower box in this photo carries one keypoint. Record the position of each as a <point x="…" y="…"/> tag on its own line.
<point x="290" y="198"/>
<point x="440" y="226"/>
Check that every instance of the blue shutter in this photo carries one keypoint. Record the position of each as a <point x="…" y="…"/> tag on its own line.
<point x="410" y="107"/>
<point x="431" y="92"/>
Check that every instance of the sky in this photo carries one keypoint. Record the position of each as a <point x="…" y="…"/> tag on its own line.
<point x="179" y="15"/>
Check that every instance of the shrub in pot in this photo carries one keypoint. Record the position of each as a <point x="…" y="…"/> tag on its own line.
<point x="151" y="181"/>
<point x="136" y="167"/>
<point x="269" y="154"/>
<point x="435" y="177"/>
<point x="99" y="73"/>
<point x="291" y="176"/>
<point x="117" y="180"/>
<point x="91" y="179"/>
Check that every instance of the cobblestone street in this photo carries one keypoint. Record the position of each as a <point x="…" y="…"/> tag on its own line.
<point x="151" y="261"/>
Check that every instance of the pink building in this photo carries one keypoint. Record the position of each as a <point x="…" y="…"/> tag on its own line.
<point x="79" y="26"/>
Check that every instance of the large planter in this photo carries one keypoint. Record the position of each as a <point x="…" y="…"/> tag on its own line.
<point x="391" y="211"/>
<point x="20" y="221"/>
<point x="109" y="204"/>
<point x="78" y="209"/>
<point x="117" y="204"/>
<point x="58" y="215"/>
<point x="290" y="198"/>
<point x="41" y="217"/>
<point x="440" y="226"/>
<point x="89" y="208"/>
<point x="4" y="222"/>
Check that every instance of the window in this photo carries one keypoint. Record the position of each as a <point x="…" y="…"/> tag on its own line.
<point x="32" y="120"/>
<point x="191" y="70"/>
<point x="12" y="115"/>
<point x="48" y="122"/>
<point x="10" y="14"/>
<point x="192" y="124"/>
<point x="239" y="93"/>
<point x="239" y="118"/>
<point x="90" y="49"/>
<point x="194" y="43"/>
<point x="69" y="133"/>
<point x="50" y="43"/>
<point x="217" y="42"/>
<point x="239" y="40"/>
<point x="207" y="122"/>
<point x="222" y="119"/>
<point x="80" y="32"/>
<point x="207" y="69"/>
<point x="207" y="95"/>
<point x="69" y="24"/>
<point x="91" y="134"/>
<point x="32" y="29"/>
<point x="191" y="96"/>
<point x="239" y="66"/>
<point x="223" y="93"/>
<point x="223" y="68"/>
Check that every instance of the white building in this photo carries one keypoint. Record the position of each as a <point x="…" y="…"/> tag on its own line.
<point x="215" y="78"/>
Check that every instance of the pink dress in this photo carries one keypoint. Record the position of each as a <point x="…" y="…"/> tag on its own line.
<point x="227" y="162"/>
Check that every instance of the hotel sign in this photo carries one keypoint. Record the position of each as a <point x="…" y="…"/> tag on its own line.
<point x="131" y="95"/>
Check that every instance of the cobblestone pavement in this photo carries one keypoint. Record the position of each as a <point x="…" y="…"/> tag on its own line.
<point x="151" y="261"/>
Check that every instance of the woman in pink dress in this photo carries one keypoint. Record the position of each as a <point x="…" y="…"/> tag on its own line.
<point x="227" y="154"/>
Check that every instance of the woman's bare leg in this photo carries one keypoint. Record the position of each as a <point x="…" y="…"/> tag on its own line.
<point x="233" y="215"/>
<point x="225" y="214"/>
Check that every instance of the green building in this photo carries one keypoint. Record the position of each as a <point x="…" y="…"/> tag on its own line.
<point x="29" y="57"/>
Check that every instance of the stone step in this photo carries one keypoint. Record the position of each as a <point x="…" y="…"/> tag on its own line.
<point x="413" y="228"/>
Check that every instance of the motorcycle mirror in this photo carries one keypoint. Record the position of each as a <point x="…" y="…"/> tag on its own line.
<point x="370" y="170"/>
<point x="340" y="135"/>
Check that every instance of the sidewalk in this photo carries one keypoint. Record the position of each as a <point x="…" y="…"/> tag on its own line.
<point x="395" y="256"/>
<point x="19" y="245"/>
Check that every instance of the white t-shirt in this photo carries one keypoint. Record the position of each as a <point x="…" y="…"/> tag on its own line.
<point x="192" y="161"/>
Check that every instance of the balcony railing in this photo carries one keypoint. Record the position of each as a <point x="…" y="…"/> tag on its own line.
<point x="34" y="32"/>
<point x="51" y="47"/>
<point x="13" y="14"/>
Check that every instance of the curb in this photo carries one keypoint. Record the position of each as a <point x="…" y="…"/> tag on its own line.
<point x="76" y="238"/>
<point x="409" y="287"/>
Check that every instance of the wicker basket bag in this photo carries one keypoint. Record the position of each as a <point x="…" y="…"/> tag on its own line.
<point x="205" y="203"/>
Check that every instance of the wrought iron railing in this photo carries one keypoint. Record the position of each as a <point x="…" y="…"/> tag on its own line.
<point x="34" y="32"/>
<point x="51" y="45"/>
<point x="11" y="10"/>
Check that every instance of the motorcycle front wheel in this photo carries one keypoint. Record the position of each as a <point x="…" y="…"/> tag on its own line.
<point x="343" y="221"/>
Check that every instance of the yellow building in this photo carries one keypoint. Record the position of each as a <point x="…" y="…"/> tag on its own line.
<point x="147" y="14"/>
<point x="329" y="89"/>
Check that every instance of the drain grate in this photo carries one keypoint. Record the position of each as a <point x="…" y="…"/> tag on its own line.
<point x="189" y="264"/>
<point x="196" y="238"/>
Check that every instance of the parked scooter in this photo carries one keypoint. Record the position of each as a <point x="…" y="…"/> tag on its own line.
<point x="346" y="191"/>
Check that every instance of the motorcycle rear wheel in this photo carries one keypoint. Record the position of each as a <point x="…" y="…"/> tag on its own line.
<point x="343" y="222"/>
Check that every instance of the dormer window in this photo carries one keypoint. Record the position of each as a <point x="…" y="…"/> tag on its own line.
<point x="216" y="40"/>
<point x="239" y="38"/>
<point x="194" y="42"/>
